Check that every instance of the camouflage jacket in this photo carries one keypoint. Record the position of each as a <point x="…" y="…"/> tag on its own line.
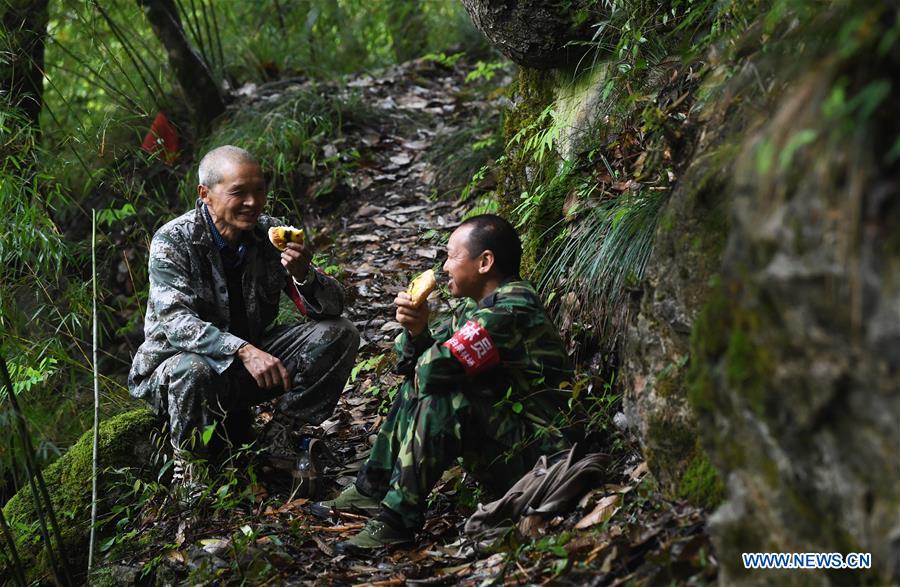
<point x="504" y="345"/>
<point x="187" y="309"/>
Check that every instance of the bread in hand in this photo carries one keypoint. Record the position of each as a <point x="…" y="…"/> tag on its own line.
<point x="421" y="286"/>
<point x="282" y="235"/>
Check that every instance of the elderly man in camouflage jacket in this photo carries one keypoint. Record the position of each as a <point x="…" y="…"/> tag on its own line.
<point x="215" y="283"/>
<point x="487" y="386"/>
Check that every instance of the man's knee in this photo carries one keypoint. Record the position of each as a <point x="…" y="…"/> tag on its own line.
<point x="438" y="414"/>
<point x="342" y="333"/>
<point x="190" y="371"/>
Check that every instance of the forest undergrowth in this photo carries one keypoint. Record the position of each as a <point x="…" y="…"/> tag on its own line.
<point x="387" y="221"/>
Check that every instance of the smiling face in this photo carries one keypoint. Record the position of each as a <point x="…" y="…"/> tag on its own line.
<point x="236" y="202"/>
<point x="467" y="272"/>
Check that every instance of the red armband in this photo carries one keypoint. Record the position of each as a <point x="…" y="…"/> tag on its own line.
<point x="473" y="347"/>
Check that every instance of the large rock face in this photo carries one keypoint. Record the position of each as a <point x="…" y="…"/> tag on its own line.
<point x="799" y="360"/>
<point x="536" y="33"/>
<point x="770" y="322"/>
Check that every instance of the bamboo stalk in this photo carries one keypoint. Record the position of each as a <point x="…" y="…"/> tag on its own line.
<point x="69" y="144"/>
<point x="36" y="482"/>
<point x="192" y="22"/>
<point x="16" y="562"/>
<point x="98" y="78"/>
<point x="218" y="40"/>
<point x="204" y="12"/>
<point x="134" y="55"/>
<point x="112" y="56"/>
<point x="189" y="25"/>
<point x="96" y="393"/>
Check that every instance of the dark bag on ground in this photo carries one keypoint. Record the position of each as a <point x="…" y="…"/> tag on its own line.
<point x="553" y="487"/>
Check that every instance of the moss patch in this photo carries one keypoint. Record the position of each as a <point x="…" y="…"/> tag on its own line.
<point x="701" y="483"/>
<point x="670" y="380"/>
<point x="707" y="346"/>
<point x="69" y="481"/>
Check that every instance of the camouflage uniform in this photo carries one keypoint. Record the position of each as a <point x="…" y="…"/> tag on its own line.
<point x="485" y="386"/>
<point x="186" y="367"/>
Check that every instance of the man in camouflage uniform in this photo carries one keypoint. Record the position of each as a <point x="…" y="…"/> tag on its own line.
<point x="215" y="284"/>
<point x="487" y="386"/>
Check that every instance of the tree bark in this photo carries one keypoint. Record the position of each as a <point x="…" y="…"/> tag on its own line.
<point x="23" y="36"/>
<point x="536" y="33"/>
<point x="200" y="89"/>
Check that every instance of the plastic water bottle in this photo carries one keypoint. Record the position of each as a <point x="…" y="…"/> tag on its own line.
<point x="306" y="472"/>
<point x="304" y="465"/>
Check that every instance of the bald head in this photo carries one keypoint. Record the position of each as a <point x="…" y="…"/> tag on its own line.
<point x="212" y="164"/>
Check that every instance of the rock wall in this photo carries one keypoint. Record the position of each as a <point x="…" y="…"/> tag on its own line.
<point x="770" y="320"/>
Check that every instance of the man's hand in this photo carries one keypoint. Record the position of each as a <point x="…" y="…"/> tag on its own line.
<point x="266" y="370"/>
<point x="296" y="258"/>
<point x="414" y="319"/>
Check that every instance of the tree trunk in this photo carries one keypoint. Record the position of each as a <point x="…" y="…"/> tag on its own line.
<point x="22" y="77"/>
<point x="200" y="89"/>
<point x="536" y="33"/>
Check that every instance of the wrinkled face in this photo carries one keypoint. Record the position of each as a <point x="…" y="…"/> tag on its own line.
<point x="236" y="202"/>
<point x="465" y="272"/>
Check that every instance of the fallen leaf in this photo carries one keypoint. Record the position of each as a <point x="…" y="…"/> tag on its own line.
<point x="401" y="580"/>
<point x="379" y="221"/>
<point x="369" y="210"/>
<point x="416" y="145"/>
<point x="371" y="140"/>
<point x="288" y="507"/>
<point x="361" y="82"/>
<point x="401" y="159"/>
<point x="614" y="488"/>
<point x="638" y="471"/>
<point x="364" y="238"/>
<point x="338" y="529"/>
<point x="604" y="510"/>
<point x="412" y="102"/>
<point x="214" y="546"/>
<point x="326" y="550"/>
<point x="410" y="209"/>
<point x="532" y="526"/>
<point x="386" y="104"/>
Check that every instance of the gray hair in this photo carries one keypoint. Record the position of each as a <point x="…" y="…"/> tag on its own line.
<point x="210" y="172"/>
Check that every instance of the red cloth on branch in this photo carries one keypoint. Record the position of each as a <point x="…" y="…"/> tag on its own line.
<point x="161" y="137"/>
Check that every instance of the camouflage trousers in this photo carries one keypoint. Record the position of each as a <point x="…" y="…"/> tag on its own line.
<point x="423" y="436"/>
<point x="319" y="355"/>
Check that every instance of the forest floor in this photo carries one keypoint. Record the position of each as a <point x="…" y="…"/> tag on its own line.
<point x="388" y="225"/>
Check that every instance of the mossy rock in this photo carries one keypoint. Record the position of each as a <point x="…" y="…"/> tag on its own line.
<point x="124" y="442"/>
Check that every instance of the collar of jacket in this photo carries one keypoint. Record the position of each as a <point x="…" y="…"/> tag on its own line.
<point x="202" y="234"/>
<point x="491" y="299"/>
